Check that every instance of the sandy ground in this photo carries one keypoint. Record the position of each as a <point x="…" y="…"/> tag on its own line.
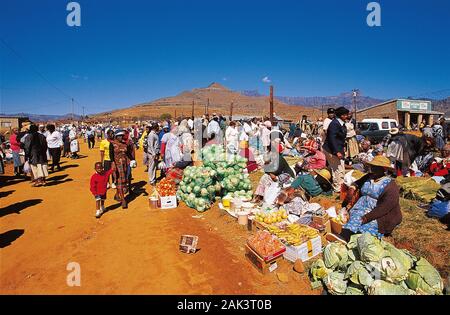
<point x="132" y="251"/>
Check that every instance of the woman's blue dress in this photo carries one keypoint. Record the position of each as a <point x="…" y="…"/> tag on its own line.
<point x="370" y="192"/>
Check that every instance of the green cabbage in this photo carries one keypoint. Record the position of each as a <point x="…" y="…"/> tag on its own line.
<point x="425" y="279"/>
<point x="370" y="248"/>
<point x="335" y="283"/>
<point x="380" y="287"/>
<point x="335" y="255"/>
<point x="354" y="290"/>
<point x="395" y="264"/>
<point x="318" y="270"/>
<point x="358" y="274"/>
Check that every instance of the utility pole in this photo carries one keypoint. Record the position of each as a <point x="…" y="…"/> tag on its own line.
<point x="83" y="115"/>
<point x="355" y="95"/>
<point x="72" y="111"/>
<point x="231" y="111"/>
<point x="207" y="108"/>
<point x="193" y="104"/>
<point x="175" y="114"/>
<point x="271" y="105"/>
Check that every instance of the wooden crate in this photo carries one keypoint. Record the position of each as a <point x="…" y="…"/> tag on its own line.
<point x="258" y="262"/>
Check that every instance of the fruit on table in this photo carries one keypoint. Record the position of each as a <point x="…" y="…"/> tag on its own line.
<point x="265" y="244"/>
<point x="271" y="217"/>
<point x="294" y="234"/>
<point x="166" y="187"/>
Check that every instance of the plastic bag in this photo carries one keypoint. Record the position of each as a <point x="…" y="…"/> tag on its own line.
<point x="27" y="168"/>
<point x="271" y="193"/>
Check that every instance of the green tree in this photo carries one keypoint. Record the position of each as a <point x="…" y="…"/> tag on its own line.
<point x="166" y="116"/>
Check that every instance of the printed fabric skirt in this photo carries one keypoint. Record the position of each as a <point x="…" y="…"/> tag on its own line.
<point x="122" y="179"/>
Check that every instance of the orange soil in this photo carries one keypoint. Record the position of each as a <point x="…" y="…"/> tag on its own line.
<point x="132" y="251"/>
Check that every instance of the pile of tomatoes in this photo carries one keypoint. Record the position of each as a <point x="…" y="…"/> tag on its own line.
<point x="166" y="187"/>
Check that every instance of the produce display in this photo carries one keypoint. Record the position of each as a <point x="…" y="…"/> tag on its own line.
<point x="166" y="187"/>
<point x="265" y="244"/>
<point x="294" y="234"/>
<point x="228" y="170"/>
<point x="220" y="175"/>
<point x="198" y="188"/>
<point x="271" y="217"/>
<point x="367" y="265"/>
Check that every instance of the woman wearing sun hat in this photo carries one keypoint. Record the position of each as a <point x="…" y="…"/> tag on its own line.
<point x="377" y="211"/>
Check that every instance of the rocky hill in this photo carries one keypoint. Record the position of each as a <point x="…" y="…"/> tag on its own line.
<point x="219" y="98"/>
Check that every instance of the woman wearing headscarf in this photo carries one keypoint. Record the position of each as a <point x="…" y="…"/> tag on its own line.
<point x="276" y="170"/>
<point x="36" y="150"/>
<point x="119" y="154"/>
<point x="171" y="148"/>
<point x="377" y="211"/>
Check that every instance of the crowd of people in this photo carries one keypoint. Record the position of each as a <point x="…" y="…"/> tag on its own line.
<point x="330" y="157"/>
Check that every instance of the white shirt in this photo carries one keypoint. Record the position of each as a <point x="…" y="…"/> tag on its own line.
<point x="54" y="140"/>
<point x="326" y="123"/>
<point x="231" y="136"/>
<point x="213" y="127"/>
<point x="72" y="135"/>
<point x="265" y="136"/>
<point x="191" y="124"/>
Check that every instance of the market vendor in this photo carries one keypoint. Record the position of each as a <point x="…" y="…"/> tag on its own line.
<point x="440" y="167"/>
<point x="377" y="211"/>
<point x="277" y="170"/>
<point x="314" y="159"/>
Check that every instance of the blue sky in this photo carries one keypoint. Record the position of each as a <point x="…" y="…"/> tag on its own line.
<point x="129" y="52"/>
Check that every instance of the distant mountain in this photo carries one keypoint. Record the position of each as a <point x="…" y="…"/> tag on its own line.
<point x="343" y="99"/>
<point x="219" y="99"/>
<point x="44" y="118"/>
<point x="442" y="106"/>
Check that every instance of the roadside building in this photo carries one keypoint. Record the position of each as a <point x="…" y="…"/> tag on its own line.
<point x="406" y="112"/>
<point x="7" y="123"/>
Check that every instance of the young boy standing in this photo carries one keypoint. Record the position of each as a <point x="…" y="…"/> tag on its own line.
<point x="99" y="182"/>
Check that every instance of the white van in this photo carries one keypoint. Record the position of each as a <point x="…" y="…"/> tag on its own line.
<point x="376" y="129"/>
<point x="383" y="124"/>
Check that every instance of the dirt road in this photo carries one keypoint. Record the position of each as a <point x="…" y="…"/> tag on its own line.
<point x="132" y="251"/>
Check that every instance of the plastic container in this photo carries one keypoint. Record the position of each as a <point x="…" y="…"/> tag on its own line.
<point x="153" y="202"/>
<point x="243" y="217"/>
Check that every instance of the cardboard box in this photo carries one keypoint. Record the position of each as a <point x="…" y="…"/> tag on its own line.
<point x="188" y="244"/>
<point x="336" y="227"/>
<point x="305" y="251"/>
<point x="333" y="238"/>
<point x="169" y="202"/>
<point x="259" y="263"/>
<point x="321" y="219"/>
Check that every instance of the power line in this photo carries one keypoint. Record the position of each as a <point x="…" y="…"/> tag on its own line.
<point x="38" y="73"/>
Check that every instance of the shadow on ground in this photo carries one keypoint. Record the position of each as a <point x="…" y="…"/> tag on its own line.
<point x="18" y="207"/>
<point x="9" y="237"/>
<point x="6" y="193"/>
<point x="11" y="180"/>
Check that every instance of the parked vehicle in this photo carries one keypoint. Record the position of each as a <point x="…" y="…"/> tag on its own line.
<point x="376" y="129"/>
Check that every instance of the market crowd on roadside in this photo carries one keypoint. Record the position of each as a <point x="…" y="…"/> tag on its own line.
<point x="331" y="157"/>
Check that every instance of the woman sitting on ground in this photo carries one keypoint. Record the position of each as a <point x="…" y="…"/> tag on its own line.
<point x="378" y="209"/>
<point x="277" y="170"/>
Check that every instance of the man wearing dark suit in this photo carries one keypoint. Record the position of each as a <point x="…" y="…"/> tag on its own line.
<point x="334" y="146"/>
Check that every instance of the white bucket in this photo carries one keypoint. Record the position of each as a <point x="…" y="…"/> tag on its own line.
<point x="243" y="217"/>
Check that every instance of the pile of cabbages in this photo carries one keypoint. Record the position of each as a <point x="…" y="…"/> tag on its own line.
<point x="220" y="175"/>
<point x="367" y="265"/>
